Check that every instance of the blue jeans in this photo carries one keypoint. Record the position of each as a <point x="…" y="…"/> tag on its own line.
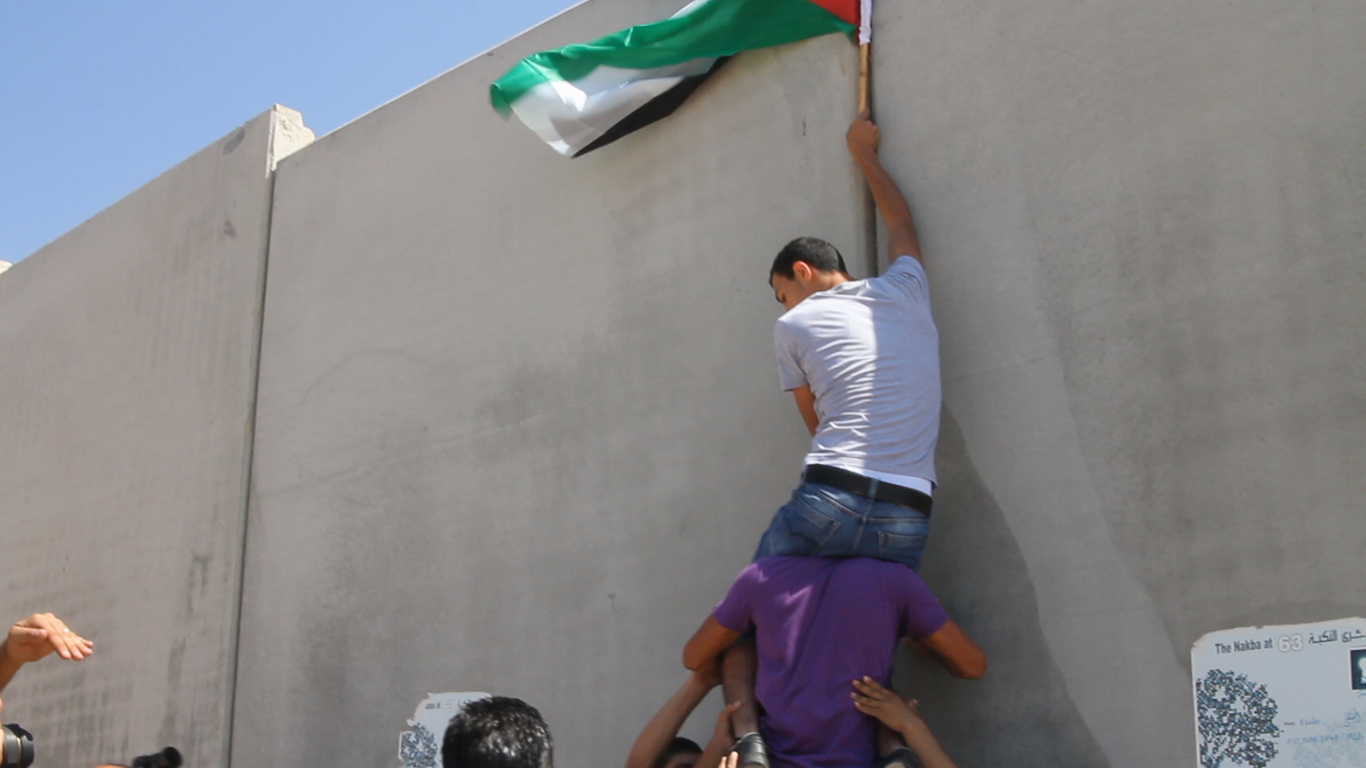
<point x="827" y="522"/>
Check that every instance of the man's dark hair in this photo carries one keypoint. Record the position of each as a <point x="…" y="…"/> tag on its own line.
<point x="818" y="254"/>
<point x="679" y="746"/>
<point x="497" y="732"/>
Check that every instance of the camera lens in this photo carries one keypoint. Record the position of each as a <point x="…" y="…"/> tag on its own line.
<point x="16" y="747"/>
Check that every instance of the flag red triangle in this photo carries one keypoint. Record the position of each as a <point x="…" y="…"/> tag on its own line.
<point x="847" y="10"/>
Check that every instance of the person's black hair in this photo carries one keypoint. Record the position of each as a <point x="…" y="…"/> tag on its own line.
<point x="497" y="732"/>
<point x="679" y="746"/>
<point x="818" y="254"/>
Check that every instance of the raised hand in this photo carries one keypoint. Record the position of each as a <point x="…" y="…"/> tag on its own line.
<point x="40" y="634"/>
<point x="863" y="135"/>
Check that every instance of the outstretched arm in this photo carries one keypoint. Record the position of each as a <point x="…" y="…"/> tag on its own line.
<point x="663" y="727"/>
<point x="863" y="139"/>
<point x="901" y="716"/>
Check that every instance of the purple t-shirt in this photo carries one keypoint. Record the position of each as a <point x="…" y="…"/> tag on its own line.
<point x="819" y="624"/>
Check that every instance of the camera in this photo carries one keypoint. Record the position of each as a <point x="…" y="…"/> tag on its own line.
<point x="166" y="758"/>
<point x="16" y="747"/>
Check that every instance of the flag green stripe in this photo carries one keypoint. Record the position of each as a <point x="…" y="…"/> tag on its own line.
<point x="712" y="29"/>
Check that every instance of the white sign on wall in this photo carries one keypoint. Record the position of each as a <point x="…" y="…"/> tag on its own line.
<point x="421" y="747"/>
<point x="1282" y="697"/>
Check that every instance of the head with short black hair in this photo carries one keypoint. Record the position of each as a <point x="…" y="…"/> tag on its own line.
<point x="805" y="266"/>
<point x="817" y="253"/>
<point x="497" y="732"/>
<point x="681" y="753"/>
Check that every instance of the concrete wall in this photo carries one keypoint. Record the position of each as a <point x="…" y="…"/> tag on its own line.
<point x="1145" y="227"/>
<point x="518" y="418"/>
<point x="519" y="424"/>
<point x="127" y="387"/>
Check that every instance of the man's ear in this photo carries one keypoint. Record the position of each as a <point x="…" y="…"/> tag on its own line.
<point x="802" y="271"/>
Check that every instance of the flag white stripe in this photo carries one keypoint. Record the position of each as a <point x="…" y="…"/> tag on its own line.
<point x="571" y="115"/>
<point x="865" y="26"/>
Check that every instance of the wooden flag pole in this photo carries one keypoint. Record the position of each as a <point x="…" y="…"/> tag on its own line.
<point x="864" y="66"/>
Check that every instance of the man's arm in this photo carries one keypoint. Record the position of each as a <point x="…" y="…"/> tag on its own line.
<point x="707" y="643"/>
<point x="902" y="717"/>
<point x="957" y="651"/>
<point x="863" y="139"/>
<point x="717" y="751"/>
<point x="806" y="405"/>
<point x="35" y="637"/>
<point x="663" y="727"/>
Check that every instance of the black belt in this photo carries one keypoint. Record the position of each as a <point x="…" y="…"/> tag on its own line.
<point x="853" y="482"/>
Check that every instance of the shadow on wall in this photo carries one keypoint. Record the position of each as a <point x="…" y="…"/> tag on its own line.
<point x="1020" y="714"/>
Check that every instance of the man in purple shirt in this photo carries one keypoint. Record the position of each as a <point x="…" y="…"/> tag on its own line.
<point x="820" y="624"/>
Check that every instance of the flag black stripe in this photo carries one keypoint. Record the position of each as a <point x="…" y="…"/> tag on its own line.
<point x="658" y="108"/>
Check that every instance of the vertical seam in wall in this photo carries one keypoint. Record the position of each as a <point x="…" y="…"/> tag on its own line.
<point x="870" y="227"/>
<point x="249" y="457"/>
<point x="869" y="205"/>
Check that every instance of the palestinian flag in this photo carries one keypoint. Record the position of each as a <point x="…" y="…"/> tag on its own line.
<point x="582" y="97"/>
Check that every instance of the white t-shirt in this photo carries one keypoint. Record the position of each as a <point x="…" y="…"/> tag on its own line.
<point x="870" y="352"/>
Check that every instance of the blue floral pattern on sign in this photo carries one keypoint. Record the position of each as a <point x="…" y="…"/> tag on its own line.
<point x="418" y="748"/>
<point x="1237" y="720"/>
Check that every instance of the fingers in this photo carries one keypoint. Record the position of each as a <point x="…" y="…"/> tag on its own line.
<point x="33" y="631"/>
<point x="871" y="688"/>
<point x="866" y="114"/>
<point x="731" y="760"/>
<point x="723" y="729"/>
<point x="66" y="643"/>
<point x="868" y="696"/>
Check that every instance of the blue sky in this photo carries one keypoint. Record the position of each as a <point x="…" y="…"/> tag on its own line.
<point x="97" y="97"/>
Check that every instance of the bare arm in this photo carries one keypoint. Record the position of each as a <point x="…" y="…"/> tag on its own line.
<point x="902" y="717"/>
<point x="806" y="405"/>
<point x="707" y="643"/>
<point x="717" y="752"/>
<point x="957" y="651"/>
<point x="663" y="727"/>
<point x="863" y="139"/>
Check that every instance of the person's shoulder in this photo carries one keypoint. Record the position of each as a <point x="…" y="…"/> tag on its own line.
<point x="905" y="265"/>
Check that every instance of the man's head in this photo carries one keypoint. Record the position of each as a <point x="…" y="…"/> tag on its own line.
<point x="681" y="753"/>
<point x="803" y="267"/>
<point x="497" y="732"/>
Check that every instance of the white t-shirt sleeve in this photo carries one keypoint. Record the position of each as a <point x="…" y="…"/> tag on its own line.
<point x="790" y="374"/>
<point x="908" y="276"/>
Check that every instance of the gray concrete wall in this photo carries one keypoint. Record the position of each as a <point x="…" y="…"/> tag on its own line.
<point x="518" y="417"/>
<point x="126" y="396"/>
<point x="1145" y="231"/>
<point x="519" y="420"/>
<point x="519" y="425"/>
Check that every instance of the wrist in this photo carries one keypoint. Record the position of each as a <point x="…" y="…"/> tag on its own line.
<point x="864" y="155"/>
<point x="914" y="731"/>
<point x="6" y="658"/>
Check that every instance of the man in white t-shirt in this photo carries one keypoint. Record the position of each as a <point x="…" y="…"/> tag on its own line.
<point x="861" y="358"/>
